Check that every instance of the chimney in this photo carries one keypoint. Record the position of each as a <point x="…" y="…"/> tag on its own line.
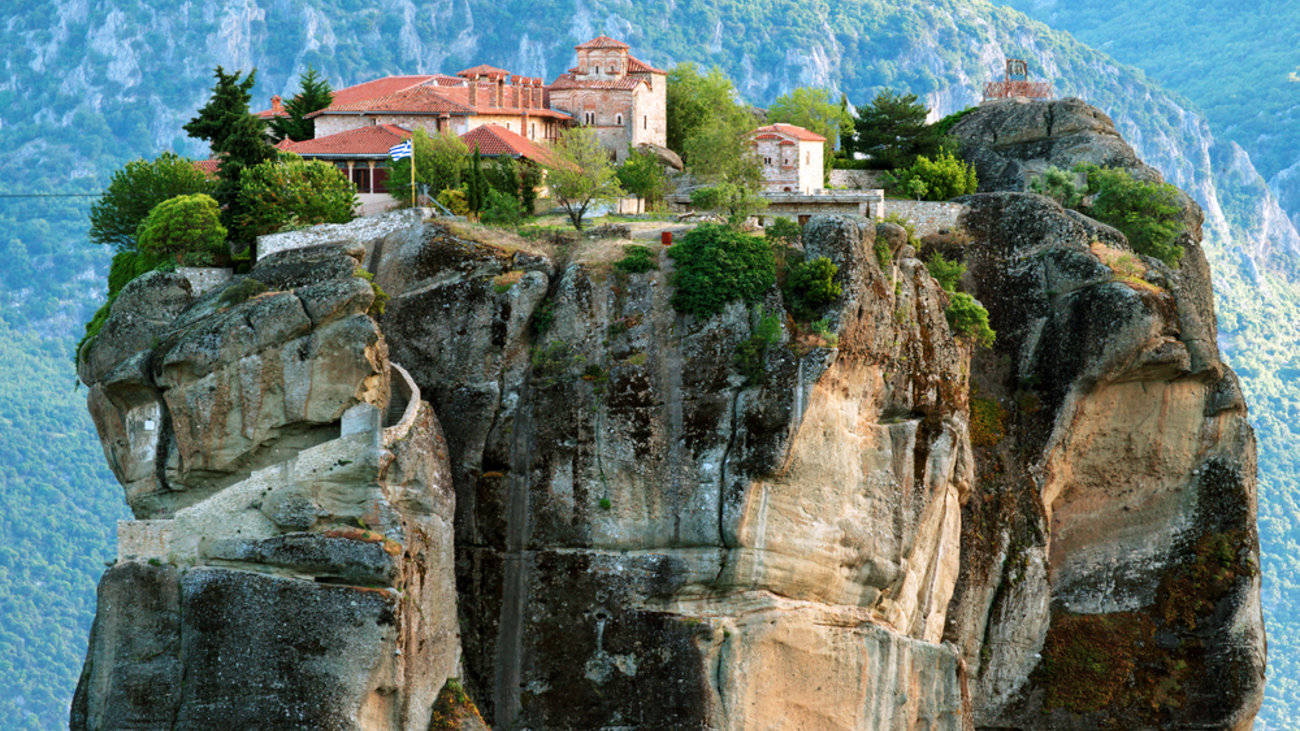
<point x="498" y="96"/>
<point x="537" y="92"/>
<point x="473" y="91"/>
<point x="276" y="108"/>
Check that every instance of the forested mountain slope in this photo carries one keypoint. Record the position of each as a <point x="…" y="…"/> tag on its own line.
<point x="89" y="84"/>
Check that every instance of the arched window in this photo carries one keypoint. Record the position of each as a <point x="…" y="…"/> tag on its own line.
<point x="645" y="122"/>
<point x="807" y="157"/>
<point x="618" y="119"/>
<point x="613" y="69"/>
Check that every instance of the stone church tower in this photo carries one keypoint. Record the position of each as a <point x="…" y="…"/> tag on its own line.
<point x="621" y="98"/>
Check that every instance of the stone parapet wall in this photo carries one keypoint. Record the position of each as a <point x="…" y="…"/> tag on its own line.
<point x="365" y="230"/>
<point x="929" y="217"/>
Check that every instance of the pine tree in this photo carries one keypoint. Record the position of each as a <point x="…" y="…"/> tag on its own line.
<point x="314" y="94"/>
<point x="237" y="138"/>
<point x="892" y="131"/>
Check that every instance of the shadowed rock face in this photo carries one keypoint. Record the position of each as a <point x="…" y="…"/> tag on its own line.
<point x="885" y="530"/>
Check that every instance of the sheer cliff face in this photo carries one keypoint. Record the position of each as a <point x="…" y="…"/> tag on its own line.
<point x="893" y="533"/>
<point x="1109" y="549"/>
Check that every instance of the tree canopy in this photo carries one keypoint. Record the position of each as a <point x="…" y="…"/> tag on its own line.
<point x="812" y="108"/>
<point x="440" y="163"/>
<point x="580" y="173"/>
<point x="642" y="175"/>
<point x="891" y="131"/>
<point x="290" y="191"/>
<point x="187" y="227"/>
<point x="314" y="94"/>
<point x="135" y="189"/>
<point x="698" y="101"/>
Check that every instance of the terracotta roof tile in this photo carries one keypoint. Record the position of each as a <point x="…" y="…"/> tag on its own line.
<point x="569" y="81"/>
<point x="208" y="167"/>
<point x="790" y="130"/>
<point x="372" y="141"/>
<point x="483" y="70"/>
<point x="637" y="66"/>
<point x="372" y="89"/>
<point x="433" y="99"/>
<point x="493" y="140"/>
<point x="601" y="41"/>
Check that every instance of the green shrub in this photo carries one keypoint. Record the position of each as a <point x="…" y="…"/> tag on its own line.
<point x="811" y="286"/>
<point x="783" y="232"/>
<point x="751" y="354"/>
<point x="947" y="273"/>
<point x="717" y="265"/>
<point x="638" y="259"/>
<point x="1148" y="214"/>
<point x="291" y="192"/>
<point x="455" y="201"/>
<point x="127" y="265"/>
<point x="187" y="228"/>
<point x="1058" y="185"/>
<point x="881" y="250"/>
<point x="501" y="209"/>
<point x="940" y="179"/>
<point x="968" y="318"/>
<point x="736" y="203"/>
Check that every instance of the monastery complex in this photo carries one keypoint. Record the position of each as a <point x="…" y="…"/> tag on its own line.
<point x="621" y="98"/>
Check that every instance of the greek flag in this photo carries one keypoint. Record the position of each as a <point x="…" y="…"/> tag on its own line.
<point x="398" y="152"/>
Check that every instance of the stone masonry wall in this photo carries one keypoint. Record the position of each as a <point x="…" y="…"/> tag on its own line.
<point x="929" y="217"/>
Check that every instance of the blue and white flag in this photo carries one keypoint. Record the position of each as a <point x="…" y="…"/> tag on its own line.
<point x="399" y="152"/>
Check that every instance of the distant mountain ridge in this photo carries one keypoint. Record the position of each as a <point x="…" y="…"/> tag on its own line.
<point x="90" y="84"/>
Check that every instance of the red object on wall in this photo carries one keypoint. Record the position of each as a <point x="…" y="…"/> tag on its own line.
<point x="666" y="238"/>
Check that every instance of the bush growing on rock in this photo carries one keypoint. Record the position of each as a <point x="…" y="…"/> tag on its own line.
<point x="501" y="209"/>
<point x="717" y="265"/>
<point x="968" y="319"/>
<point x="187" y="228"/>
<point x="811" y="286"/>
<point x="638" y="259"/>
<point x="134" y="191"/>
<point x="1146" y="213"/>
<point x="947" y="273"/>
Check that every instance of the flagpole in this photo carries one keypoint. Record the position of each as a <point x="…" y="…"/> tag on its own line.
<point x="413" y="171"/>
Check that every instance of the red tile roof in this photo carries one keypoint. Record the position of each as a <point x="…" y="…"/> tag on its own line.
<point x="569" y="81"/>
<point x="493" y="140"/>
<point x="601" y="42"/>
<point x="372" y="89"/>
<point x="483" y="70"/>
<point x="208" y="167"/>
<point x="789" y="130"/>
<point x="637" y="66"/>
<point x="433" y="99"/>
<point x="372" y="141"/>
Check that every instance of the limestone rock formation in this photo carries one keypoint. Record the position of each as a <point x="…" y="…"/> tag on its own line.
<point x="292" y="565"/>
<point x="655" y="521"/>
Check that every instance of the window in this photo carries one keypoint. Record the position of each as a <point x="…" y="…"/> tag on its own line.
<point x="618" y="119"/>
<point x="613" y="69"/>
<point x="807" y="157"/>
<point x="645" y="122"/>
<point x="767" y="160"/>
<point x="532" y="131"/>
<point x="589" y="117"/>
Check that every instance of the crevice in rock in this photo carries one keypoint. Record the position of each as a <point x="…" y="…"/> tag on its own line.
<point x="722" y="468"/>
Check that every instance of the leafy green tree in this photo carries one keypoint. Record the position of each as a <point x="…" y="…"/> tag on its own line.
<point x="968" y="319"/>
<point x="947" y="273"/>
<point x="314" y="94"/>
<point x="720" y="152"/>
<point x="812" y="108"/>
<point x="943" y="178"/>
<point x="580" y="173"/>
<point x="238" y="140"/>
<point x="716" y="265"/>
<point x="892" y="132"/>
<point x="783" y="232"/>
<point x="733" y="202"/>
<point x="693" y="99"/>
<point x="642" y="175"/>
<point x="187" y="227"/>
<point x="530" y="179"/>
<point x="135" y="189"/>
<point x="1147" y="213"/>
<point x="290" y="191"/>
<point x="440" y="164"/>
<point x="503" y="174"/>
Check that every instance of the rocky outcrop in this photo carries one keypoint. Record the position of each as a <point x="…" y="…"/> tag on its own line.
<point x="295" y="569"/>
<point x="659" y="521"/>
<point x="1110" y="557"/>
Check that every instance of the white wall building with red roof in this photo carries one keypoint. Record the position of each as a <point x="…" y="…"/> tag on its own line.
<point x="791" y="158"/>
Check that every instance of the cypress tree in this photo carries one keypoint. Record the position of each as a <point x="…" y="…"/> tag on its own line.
<point x="314" y="94"/>
<point x="477" y="183"/>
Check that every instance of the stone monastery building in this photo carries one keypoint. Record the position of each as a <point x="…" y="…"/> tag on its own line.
<point x="791" y="158"/>
<point x="621" y="98"/>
